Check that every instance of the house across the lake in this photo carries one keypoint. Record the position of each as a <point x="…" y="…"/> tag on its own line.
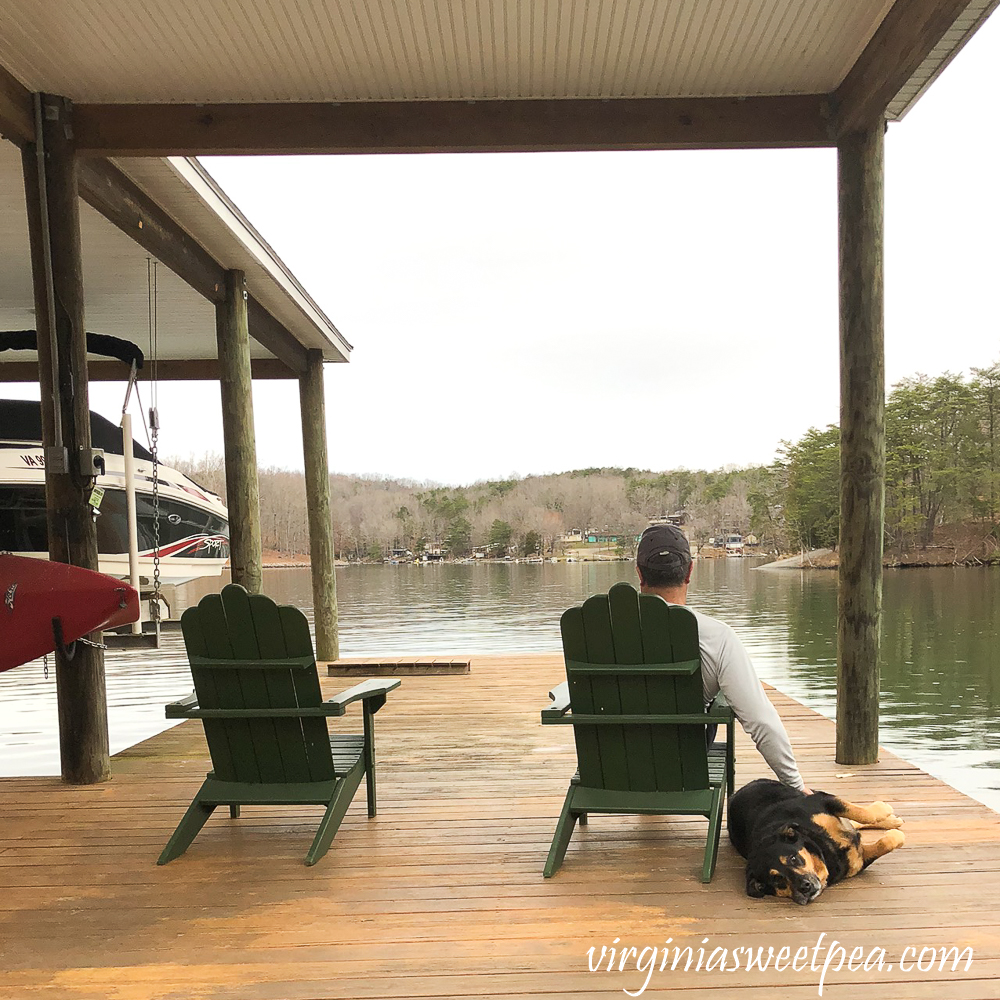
<point x="604" y="537"/>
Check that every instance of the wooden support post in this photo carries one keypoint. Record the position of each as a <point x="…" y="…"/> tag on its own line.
<point x="242" y="491"/>
<point x="862" y="442"/>
<point x="57" y="273"/>
<point x="321" y="559"/>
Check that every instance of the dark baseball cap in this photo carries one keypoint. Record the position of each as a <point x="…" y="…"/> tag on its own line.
<point x="663" y="545"/>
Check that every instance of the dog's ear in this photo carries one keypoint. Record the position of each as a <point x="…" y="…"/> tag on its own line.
<point x="791" y="833"/>
<point x="755" y="888"/>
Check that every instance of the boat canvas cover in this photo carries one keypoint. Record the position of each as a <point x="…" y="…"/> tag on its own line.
<point x="97" y="343"/>
<point x="21" y="420"/>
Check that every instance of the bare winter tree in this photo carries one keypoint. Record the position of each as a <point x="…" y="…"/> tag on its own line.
<point x="373" y="515"/>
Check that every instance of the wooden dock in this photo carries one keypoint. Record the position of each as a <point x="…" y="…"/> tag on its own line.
<point x="442" y="895"/>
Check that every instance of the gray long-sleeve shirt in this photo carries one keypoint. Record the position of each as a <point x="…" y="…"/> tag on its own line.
<point x="726" y="667"/>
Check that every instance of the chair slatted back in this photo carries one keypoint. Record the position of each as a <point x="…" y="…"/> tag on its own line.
<point x="624" y="627"/>
<point x="227" y="636"/>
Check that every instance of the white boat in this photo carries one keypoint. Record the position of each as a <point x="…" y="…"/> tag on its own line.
<point x="734" y="545"/>
<point x="194" y="522"/>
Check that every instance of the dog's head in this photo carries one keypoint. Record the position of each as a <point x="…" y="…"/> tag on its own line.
<point x="786" y="865"/>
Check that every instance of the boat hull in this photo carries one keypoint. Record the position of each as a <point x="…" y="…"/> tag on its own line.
<point x="193" y="533"/>
<point x="174" y="570"/>
<point x="35" y="592"/>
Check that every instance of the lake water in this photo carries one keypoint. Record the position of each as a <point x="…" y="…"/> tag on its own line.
<point x="940" y="669"/>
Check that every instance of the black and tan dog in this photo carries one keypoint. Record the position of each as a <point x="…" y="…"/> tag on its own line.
<point x="796" y="845"/>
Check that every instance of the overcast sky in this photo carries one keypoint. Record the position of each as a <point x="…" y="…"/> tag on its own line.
<point x="541" y="312"/>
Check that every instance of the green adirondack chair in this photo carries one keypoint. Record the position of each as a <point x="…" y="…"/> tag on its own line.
<point x="257" y="692"/>
<point x="634" y="698"/>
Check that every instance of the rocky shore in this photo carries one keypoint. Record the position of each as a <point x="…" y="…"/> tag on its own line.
<point x="952" y="545"/>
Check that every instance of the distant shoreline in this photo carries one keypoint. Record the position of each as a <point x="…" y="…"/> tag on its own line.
<point x="952" y="545"/>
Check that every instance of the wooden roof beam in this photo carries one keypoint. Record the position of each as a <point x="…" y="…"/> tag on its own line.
<point x="108" y="190"/>
<point x="269" y="333"/>
<point x="17" y="115"/>
<point x="169" y="370"/>
<point x="105" y="188"/>
<point x="453" y="126"/>
<point x="904" y="39"/>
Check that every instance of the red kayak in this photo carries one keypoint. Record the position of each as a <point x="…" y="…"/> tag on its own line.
<point x="33" y="592"/>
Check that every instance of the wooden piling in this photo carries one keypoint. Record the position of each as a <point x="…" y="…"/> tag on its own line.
<point x="321" y="557"/>
<point x="862" y="435"/>
<point x="242" y="490"/>
<point x="72" y="533"/>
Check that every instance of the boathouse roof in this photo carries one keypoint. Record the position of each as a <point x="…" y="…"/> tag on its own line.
<point x="153" y="86"/>
<point x="200" y="233"/>
<point x="313" y="76"/>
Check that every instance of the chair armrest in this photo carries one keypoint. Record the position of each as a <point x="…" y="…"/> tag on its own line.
<point x="328" y="709"/>
<point x="179" y="709"/>
<point x="559" y="696"/>
<point x="372" y="692"/>
<point x="719" y="710"/>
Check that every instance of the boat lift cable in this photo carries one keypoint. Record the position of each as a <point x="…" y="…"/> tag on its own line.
<point x="152" y="293"/>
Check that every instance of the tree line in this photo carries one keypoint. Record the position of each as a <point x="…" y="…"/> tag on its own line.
<point x="942" y="442"/>
<point x="942" y="460"/>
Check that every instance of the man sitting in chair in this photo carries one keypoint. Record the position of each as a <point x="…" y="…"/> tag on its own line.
<point x="663" y="562"/>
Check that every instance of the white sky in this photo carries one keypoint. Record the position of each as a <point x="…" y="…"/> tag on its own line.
<point x="543" y="312"/>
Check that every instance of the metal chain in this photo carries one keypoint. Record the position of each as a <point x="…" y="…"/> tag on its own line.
<point x="154" y="427"/>
<point x="89" y="642"/>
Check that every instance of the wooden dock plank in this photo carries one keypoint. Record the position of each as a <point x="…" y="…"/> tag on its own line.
<point x="394" y="667"/>
<point x="442" y="896"/>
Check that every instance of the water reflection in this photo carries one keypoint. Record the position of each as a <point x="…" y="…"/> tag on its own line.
<point x="940" y="665"/>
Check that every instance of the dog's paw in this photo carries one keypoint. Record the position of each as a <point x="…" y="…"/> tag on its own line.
<point x="891" y="822"/>
<point x="880" y="811"/>
<point x="894" y="839"/>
